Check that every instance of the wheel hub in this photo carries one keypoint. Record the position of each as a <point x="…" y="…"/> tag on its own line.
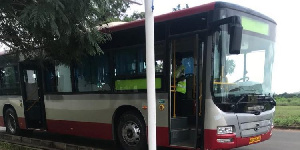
<point x="131" y="133"/>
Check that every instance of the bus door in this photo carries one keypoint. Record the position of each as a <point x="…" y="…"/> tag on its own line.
<point x="186" y="71"/>
<point x="33" y="98"/>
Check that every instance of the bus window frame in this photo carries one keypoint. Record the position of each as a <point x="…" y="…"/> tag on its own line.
<point x="18" y="84"/>
<point x="112" y="64"/>
<point x="137" y="75"/>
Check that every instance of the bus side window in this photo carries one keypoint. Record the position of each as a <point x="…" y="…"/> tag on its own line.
<point x="100" y="69"/>
<point x="93" y="74"/>
<point x="126" y="62"/>
<point x="63" y="75"/>
<point x="2" y="81"/>
<point x="130" y="68"/>
<point x="9" y="81"/>
<point x="50" y="78"/>
<point x="159" y="56"/>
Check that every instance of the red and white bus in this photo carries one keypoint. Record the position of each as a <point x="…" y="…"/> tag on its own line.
<point x="225" y="101"/>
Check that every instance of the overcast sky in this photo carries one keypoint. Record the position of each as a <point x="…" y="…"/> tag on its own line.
<point x="286" y="71"/>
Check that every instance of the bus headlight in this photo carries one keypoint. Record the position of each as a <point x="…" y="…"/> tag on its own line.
<point x="225" y="130"/>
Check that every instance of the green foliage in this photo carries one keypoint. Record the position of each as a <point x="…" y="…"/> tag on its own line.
<point x="63" y="30"/>
<point x="230" y="65"/>
<point x="134" y="16"/>
<point x="287" y="101"/>
<point x="178" y="7"/>
<point x="8" y="146"/>
<point x="287" y="116"/>
<point x="288" y="95"/>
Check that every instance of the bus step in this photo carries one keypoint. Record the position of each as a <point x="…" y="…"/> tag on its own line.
<point x="192" y="135"/>
<point x="179" y="135"/>
<point x="186" y="143"/>
<point x="179" y="123"/>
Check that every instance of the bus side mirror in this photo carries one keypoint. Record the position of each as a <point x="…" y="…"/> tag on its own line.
<point x="235" y="31"/>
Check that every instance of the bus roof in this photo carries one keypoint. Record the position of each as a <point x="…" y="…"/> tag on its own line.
<point x="188" y="12"/>
<point x="242" y="9"/>
<point x="165" y="17"/>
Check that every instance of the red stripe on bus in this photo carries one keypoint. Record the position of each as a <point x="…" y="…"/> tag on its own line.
<point x="97" y="130"/>
<point x="165" y="17"/>
<point x="245" y="141"/>
<point x="210" y="141"/>
<point x="162" y="136"/>
<point x="86" y="129"/>
<point x="90" y="129"/>
<point x="1" y="121"/>
<point x="22" y="123"/>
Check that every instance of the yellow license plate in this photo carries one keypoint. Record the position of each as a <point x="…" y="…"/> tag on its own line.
<point x="255" y="139"/>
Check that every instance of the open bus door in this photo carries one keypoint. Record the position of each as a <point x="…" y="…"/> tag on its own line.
<point x="186" y="91"/>
<point x="32" y="93"/>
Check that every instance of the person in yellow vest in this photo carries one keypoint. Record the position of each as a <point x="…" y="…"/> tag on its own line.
<point x="180" y="77"/>
<point x="182" y="72"/>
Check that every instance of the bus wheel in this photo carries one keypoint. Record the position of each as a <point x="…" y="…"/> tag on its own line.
<point x="11" y="122"/>
<point x="132" y="132"/>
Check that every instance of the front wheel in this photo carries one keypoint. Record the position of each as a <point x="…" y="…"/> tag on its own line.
<point x="132" y="132"/>
<point x="11" y="122"/>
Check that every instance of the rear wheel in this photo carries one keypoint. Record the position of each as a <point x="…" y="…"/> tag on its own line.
<point x="11" y="122"/>
<point x="132" y="132"/>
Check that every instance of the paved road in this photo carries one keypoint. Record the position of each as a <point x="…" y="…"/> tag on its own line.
<point x="281" y="140"/>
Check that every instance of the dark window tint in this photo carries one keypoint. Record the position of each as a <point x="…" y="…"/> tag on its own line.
<point x="63" y="75"/>
<point x="133" y="61"/>
<point x="126" y="62"/>
<point x="130" y="69"/>
<point x="101" y="73"/>
<point x="57" y="78"/>
<point x="93" y="74"/>
<point x="50" y="78"/>
<point x="9" y="81"/>
<point x="159" y="57"/>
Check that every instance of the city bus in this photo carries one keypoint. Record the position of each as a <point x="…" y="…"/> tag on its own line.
<point x="213" y="76"/>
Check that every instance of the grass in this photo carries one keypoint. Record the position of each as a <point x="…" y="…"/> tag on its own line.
<point x="8" y="146"/>
<point x="293" y="101"/>
<point x="287" y="116"/>
<point x="287" y="111"/>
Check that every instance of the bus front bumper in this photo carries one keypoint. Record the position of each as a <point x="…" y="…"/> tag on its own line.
<point x="228" y="141"/>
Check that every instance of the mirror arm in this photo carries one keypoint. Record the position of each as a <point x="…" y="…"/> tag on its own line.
<point x="228" y="20"/>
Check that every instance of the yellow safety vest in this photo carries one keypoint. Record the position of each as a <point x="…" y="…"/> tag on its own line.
<point x="181" y="87"/>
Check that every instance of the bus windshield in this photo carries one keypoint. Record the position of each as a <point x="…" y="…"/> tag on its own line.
<point x="247" y="73"/>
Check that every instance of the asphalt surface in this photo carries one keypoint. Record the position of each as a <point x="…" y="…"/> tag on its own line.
<point x="280" y="140"/>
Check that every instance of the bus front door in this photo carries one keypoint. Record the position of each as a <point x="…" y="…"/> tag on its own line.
<point x="186" y="89"/>
<point x="33" y="99"/>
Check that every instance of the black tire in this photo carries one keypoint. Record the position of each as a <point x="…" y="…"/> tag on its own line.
<point x="11" y="122"/>
<point x="132" y="132"/>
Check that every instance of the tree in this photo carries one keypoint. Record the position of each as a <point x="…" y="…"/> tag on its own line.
<point x="134" y="16"/>
<point x="178" y="7"/>
<point x="62" y="30"/>
<point x="230" y="65"/>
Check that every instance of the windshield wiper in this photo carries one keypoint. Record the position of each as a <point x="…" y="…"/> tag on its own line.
<point x="237" y="103"/>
